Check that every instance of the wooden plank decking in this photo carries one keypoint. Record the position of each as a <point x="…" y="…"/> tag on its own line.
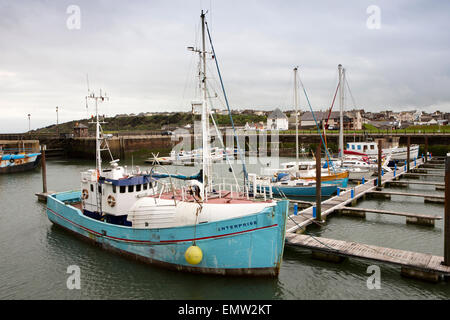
<point x="419" y="261"/>
<point x="394" y="213"/>
<point x="407" y="194"/>
<point x="305" y="217"/>
<point x="418" y="265"/>
<point x="431" y="183"/>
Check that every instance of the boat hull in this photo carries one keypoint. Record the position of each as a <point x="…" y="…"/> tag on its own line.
<point x="358" y="175"/>
<point x="340" y="179"/>
<point x="339" y="176"/>
<point x="401" y="154"/>
<point x="251" y="245"/>
<point x="19" y="165"/>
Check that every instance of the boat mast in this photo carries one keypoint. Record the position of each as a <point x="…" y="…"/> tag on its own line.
<point x="205" y="150"/>
<point x="296" y="116"/>
<point x="97" y="140"/>
<point x="341" y="115"/>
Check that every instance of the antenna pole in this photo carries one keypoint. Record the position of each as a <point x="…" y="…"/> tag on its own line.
<point x="205" y="151"/>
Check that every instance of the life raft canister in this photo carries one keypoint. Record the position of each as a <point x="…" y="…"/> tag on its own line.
<point x="85" y="194"/>
<point x="111" y="201"/>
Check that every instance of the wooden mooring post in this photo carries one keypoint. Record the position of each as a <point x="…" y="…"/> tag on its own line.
<point x="318" y="183"/>
<point x="42" y="196"/>
<point x="44" y="170"/>
<point x="379" y="185"/>
<point x="447" y="212"/>
<point x="408" y="160"/>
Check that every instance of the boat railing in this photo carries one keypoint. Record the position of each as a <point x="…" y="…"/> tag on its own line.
<point x="260" y="186"/>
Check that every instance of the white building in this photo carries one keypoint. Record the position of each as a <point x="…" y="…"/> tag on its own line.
<point x="277" y="120"/>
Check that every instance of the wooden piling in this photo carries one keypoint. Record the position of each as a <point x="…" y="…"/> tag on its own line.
<point x="44" y="169"/>
<point x="318" y="183"/>
<point x="408" y="160"/>
<point x="42" y="196"/>
<point x="447" y="212"/>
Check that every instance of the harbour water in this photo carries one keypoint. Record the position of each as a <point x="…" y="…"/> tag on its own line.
<point x="35" y="254"/>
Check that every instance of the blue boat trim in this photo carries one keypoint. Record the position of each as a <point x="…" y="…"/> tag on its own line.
<point x="18" y="156"/>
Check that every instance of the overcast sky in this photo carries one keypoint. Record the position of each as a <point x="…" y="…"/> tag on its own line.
<point x="136" y="52"/>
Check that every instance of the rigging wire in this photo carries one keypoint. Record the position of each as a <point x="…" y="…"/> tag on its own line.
<point x="350" y="91"/>
<point x="314" y="117"/>
<point x="228" y="106"/>
<point x="219" y="135"/>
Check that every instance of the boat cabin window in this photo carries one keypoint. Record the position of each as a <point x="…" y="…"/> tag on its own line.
<point x="303" y="167"/>
<point x="114" y="189"/>
<point x="353" y="147"/>
<point x="138" y="187"/>
<point x="131" y="188"/>
<point x="359" y="147"/>
<point x="144" y="186"/>
<point x="372" y="147"/>
<point x="92" y="188"/>
<point x="123" y="189"/>
<point x="100" y="188"/>
<point x="365" y="148"/>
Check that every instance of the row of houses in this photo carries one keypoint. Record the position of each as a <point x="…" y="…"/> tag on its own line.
<point x="277" y="120"/>
<point x="404" y="119"/>
<point x="352" y="120"/>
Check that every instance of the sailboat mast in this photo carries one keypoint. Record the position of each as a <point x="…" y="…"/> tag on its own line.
<point x="296" y="116"/>
<point x="341" y="114"/>
<point x="97" y="139"/>
<point x="205" y="151"/>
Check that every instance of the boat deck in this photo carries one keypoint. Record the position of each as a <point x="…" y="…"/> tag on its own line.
<point x="226" y="197"/>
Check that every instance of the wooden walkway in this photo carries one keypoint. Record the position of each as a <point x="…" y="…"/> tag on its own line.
<point x="412" y="174"/>
<point x="426" y="197"/>
<point x="427" y="263"/>
<point x="413" y="264"/>
<point x="394" y="213"/>
<point x="403" y="182"/>
<point x="305" y="217"/>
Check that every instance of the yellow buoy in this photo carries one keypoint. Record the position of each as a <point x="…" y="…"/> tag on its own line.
<point x="193" y="255"/>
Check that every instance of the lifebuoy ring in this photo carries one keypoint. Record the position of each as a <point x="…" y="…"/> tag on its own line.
<point x="111" y="201"/>
<point x="85" y="194"/>
<point x="11" y="160"/>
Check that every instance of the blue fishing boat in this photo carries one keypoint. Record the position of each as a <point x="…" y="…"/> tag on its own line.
<point x="199" y="227"/>
<point x="16" y="162"/>
<point x="246" y="245"/>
